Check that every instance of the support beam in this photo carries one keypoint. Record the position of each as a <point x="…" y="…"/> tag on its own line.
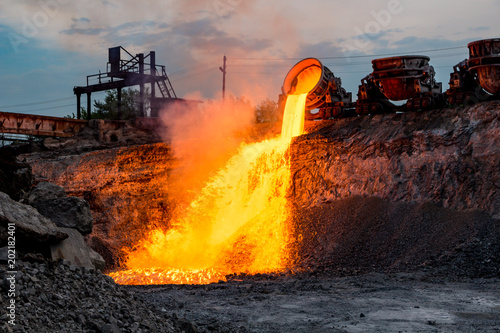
<point x="141" y="85"/>
<point x="89" y="106"/>
<point x="123" y="73"/>
<point x="78" y="106"/>
<point x="152" y="69"/>
<point x="30" y="124"/>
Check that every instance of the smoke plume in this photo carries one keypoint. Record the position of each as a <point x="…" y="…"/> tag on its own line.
<point x="203" y="137"/>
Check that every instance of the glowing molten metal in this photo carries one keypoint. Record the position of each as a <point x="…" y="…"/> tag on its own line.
<point x="239" y="222"/>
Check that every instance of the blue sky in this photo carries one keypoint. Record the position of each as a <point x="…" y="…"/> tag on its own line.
<point x="49" y="46"/>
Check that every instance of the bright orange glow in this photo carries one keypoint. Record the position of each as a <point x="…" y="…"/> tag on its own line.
<point x="307" y="80"/>
<point x="293" y="121"/>
<point x="238" y="224"/>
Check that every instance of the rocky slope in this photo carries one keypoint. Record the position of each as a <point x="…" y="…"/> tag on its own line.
<point x="126" y="187"/>
<point x="449" y="157"/>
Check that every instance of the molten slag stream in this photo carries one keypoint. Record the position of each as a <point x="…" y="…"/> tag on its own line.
<point x="237" y="225"/>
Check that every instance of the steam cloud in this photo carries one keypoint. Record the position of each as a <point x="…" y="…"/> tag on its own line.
<point x="203" y="137"/>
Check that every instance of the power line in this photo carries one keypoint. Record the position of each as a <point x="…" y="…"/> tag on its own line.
<point x="254" y="72"/>
<point x="284" y="73"/>
<point x="180" y="78"/>
<point x="339" y="64"/>
<point x="191" y="73"/>
<point x="257" y="65"/>
<point x="192" y="68"/>
<point x="36" y="103"/>
<point x="199" y="69"/>
<point x="397" y="53"/>
<point x="48" y="108"/>
<point x="264" y="66"/>
<point x="354" y="56"/>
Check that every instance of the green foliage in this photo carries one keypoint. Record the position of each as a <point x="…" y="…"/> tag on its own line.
<point x="109" y="108"/>
<point x="83" y="113"/>
<point x="266" y="111"/>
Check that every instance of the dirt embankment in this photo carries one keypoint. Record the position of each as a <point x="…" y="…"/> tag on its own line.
<point x="359" y="235"/>
<point x="127" y="189"/>
<point x="449" y="157"/>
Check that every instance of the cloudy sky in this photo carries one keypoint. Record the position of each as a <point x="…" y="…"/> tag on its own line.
<point x="49" y="46"/>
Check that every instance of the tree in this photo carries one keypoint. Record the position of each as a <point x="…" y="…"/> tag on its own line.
<point x="83" y="114"/>
<point x="266" y="111"/>
<point x="109" y="108"/>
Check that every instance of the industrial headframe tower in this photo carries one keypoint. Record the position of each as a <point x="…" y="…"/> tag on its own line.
<point x="132" y="71"/>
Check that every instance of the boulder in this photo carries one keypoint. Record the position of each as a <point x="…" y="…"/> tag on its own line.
<point x="69" y="212"/>
<point x="31" y="227"/>
<point x="76" y="251"/>
<point x="107" y="249"/>
<point x="44" y="191"/>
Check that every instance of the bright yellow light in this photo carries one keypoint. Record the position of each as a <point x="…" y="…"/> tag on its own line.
<point x="237" y="225"/>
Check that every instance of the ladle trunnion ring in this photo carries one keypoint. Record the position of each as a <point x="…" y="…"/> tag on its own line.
<point x="325" y="94"/>
<point x="398" y="77"/>
<point x="409" y="78"/>
<point x="484" y="63"/>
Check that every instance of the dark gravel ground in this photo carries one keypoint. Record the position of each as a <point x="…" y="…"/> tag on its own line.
<point x="303" y="303"/>
<point x="57" y="297"/>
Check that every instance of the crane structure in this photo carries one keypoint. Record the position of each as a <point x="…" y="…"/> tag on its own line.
<point x="126" y="70"/>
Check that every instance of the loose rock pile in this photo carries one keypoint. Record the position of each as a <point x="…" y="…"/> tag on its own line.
<point x="359" y="235"/>
<point x="53" y="229"/>
<point x="59" y="297"/>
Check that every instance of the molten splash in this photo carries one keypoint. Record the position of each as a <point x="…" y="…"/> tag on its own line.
<point x="237" y="225"/>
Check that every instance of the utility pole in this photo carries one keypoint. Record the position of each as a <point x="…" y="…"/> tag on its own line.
<point x="223" y="70"/>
